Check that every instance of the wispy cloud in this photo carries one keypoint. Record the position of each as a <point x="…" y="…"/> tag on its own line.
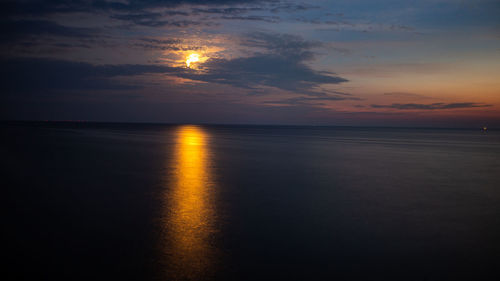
<point x="432" y="106"/>
<point x="271" y="19"/>
<point x="226" y="10"/>
<point x="292" y="7"/>
<point x="157" y="20"/>
<point x="313" y="101"/>
<point x="292" y="46"/>
<point x="405" y="95"/>
<point x="172" y="44"/>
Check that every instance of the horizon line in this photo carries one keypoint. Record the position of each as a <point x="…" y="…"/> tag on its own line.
<point x="236" y="124"/>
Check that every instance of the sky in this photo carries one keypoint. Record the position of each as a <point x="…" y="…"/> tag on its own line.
<point x="433" y="63"/>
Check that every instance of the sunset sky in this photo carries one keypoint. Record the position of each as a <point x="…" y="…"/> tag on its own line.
<point x="348" y="62"/>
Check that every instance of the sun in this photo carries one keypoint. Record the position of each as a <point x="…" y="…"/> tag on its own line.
<point x="191" y="59"/>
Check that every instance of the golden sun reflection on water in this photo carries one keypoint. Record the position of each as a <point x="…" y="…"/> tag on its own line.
<point x="190" y="213"/>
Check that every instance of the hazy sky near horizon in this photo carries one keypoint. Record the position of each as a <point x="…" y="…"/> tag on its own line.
<point x="403" y="63"/>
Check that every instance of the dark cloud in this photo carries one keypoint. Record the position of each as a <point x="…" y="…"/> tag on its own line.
<point x="163" y="44"/>
<point x="161" y="41"/>
<point x="290" y="7"/>
<point x="70" y="46"/>
<point x="40" y="7"/>
<point x="432" y="106"/>
<point x="279" y="71"/>
<point x="138" y="18"/>
<point x="135" y="12"/>
<point x="281" y="67"/>
<point x="31" y="76"/>
<point x="155" y="20"/>
<point x="44" y="7"/>
<point x="12" y="30"/>
<point x="274" y="7"/>
<point x="252" y="18"/>
<point x="175" y="13"/>
<point x="226" y="11"/>
<point x="138" y="4"/>
<point x="292" y="46"/>
<point x="250" y="73"/>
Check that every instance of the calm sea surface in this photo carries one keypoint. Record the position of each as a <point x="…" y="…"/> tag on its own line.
<point x="185" y="202"/>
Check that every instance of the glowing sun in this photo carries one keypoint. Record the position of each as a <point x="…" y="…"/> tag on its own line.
<point x="191" y="59"/>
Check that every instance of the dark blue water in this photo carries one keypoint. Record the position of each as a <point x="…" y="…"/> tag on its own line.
<point x="163" y="202"/>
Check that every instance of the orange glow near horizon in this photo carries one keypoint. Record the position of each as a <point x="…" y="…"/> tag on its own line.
<point x="190" y="213"/>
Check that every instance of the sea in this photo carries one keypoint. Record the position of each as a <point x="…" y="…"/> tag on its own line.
<point x="117" y="201"/>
